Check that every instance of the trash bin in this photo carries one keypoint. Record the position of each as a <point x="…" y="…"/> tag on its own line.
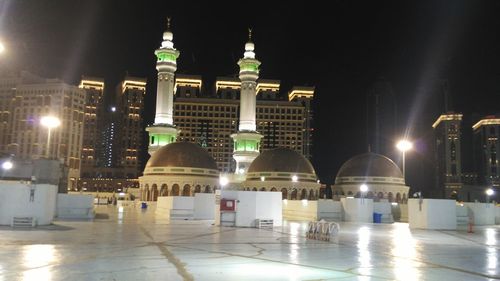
<point x="377" y="217"/>
<point x="144" y="205"/>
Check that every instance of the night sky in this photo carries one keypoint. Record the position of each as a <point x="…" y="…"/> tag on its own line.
<point x="342" y="49"/>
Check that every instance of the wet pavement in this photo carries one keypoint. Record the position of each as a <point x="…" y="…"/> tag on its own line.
<point x="133" y="244"/>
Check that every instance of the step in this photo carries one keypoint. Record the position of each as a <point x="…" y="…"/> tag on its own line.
<point x="264" y="223"/>
<point x="23" y="222"/>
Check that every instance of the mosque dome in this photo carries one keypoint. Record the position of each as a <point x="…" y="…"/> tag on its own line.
<point x="369" y="165"/>
<point x="281" y="160"/>
<point x="182" y="154"/>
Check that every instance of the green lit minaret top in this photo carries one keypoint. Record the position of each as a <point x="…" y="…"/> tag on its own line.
<point x="167" y="53"/>
<point x="248" y="63"/>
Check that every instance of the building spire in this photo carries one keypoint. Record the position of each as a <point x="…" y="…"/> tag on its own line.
<point x="163" y="131"/>
<point x="249" y="34"/>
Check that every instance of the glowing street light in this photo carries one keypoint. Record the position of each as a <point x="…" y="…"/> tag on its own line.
<point x="2" y="48"/>
<point x="50" y="122"/>
<point x="363" y="188"/>
<point x="7" y="165"/>
<point x="295" y="178"/>
<point x="489" y="192"/>
<point x="223" y="181"/>
<point x="403" y="146"/>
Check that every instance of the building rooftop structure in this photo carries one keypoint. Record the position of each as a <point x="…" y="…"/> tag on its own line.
<point x="281" y="160"/>
<point x="182" y="154"/>
<point x="369" y="165"/>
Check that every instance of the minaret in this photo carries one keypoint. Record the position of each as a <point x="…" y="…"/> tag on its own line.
<point x="163" y="131"/>
<point x="247" y="140"/>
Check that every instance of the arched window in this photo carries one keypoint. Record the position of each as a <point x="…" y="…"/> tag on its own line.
<point x="262" y="189"/>
<point x="164" y="190"/>
<point x="284" y="193"/>
<point x="175" y="190"/>
<point x="154" y="192"/>
<point x="186" y="190"/>
<point x="145" y="193"/>
<point x="197" y="189"/>
<point x="398" y="197"/>
<point x="311" y="195"/>
<point x="390" y="197"/>
<point x="294" y="194"/>
<point x="380" y="195"/>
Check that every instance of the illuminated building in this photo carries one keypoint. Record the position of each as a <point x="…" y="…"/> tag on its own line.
<point x="305" y="96"/>
<point x="486" y="150"/>
<point x="210" y="120"/>
<point x="380" y="174"/>
<point x="247" y="139"/>
<point x="92" y="127"/>
<point x="163" y="132"/>
<point x="117" y="140"/>
<point x="30" y="98"/>
<point x="131" y="104"/>
<point x="175" y="168"/>
<point x="283" y="170"/>
<point x="448" y="131"/>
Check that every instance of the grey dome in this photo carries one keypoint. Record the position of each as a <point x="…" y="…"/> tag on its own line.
<point x="369" y="165"/>
<point x="281" y="160"/>
<point x="182" y="154"/>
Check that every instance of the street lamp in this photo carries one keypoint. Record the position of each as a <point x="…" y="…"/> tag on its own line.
<point x="489" y="192"/>
<point x="403" y="146"/>
<point x="7" y="165"/>
<point x="223" y="181"/>
<point x="50" y="122"/>
<point x="363" y="188"/>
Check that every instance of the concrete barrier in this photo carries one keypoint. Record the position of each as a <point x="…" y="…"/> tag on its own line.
<point x="72" y="206"/>
<point x="432" y="214"/>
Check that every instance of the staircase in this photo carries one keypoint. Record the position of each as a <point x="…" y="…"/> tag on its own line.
<point x="264" y="223"/>
<point x="23" y="222"/>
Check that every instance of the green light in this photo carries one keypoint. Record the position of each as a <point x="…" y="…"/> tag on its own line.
<point x="161" y="139"/>
<point x="247" y="145"/>
<point x="249" y="66"/>
<point x="163" y="56"/>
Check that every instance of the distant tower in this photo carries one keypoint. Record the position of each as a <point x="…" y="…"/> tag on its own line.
<point x="447" y="131"/>
<point x="486" y="150"/>
<point x="163" y="131"/>
<point x="247" y="139"/>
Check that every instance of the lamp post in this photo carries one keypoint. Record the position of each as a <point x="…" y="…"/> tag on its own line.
<point x="363" y="189"/>
<point x="50" y="122"/>
<point x="7" y="165"/>
<point x="489" y="192"/>
<point x="403" y="146"/>
<point x="223" y="181"/>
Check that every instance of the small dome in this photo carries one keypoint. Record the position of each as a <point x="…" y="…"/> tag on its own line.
<point x="281" y="160"/>
<point x="182" y="154"/>
<point x="369" y="165"/>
